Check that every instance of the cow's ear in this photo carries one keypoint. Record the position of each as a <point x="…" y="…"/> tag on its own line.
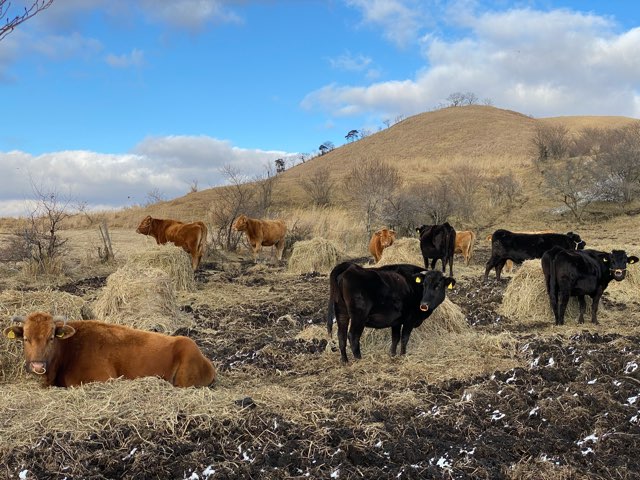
<point x="14" y="332"/>
<point x="450" y="282"/>
<point x="632" y="259"/>
<point x="65" y="331"/>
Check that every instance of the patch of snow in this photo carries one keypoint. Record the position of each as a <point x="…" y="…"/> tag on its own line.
<point x="379" y="444"/>
<point x="632" y="400"/>
<point x="443" y="463"/>
<point x="131" y="454"/>
<point x="23" y="474"/>
<point x="335" y="473"/>
<point x="193" y="476"/>
<point x="617" y="383"/>
<point x="535" y="362"/>
<point x="587" y="451"/>
<point x="497" y="415"/>
<point x="468" y="452"/>
<point x="591" y="382"/>
<point x="534" y="411"/>
<point x="591" y="438"/>
<point x="551" y="362"/>
<point x="630" y="367"/>
<point x="207" y="472"/>
<point x="511" y="379"/>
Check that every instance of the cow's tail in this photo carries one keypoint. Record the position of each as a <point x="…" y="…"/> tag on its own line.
<point x="334" y="293"/>
<point x="471" y="245"/>
<point x="202" y="244"/>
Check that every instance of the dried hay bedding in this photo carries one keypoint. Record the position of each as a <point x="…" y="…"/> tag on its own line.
<point x="18" y="302"/>
<point x="142" y="298"/>
<point x="403" y="250"/>
<point x="174" y="261"/>
<point x="315" y="255"/>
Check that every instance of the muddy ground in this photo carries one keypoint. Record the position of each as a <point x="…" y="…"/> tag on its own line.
<point x="571" y="409"/>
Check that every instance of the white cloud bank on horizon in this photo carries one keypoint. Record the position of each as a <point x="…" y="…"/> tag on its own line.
<point x="167" y="166"/>
<point x="540" y="63"/>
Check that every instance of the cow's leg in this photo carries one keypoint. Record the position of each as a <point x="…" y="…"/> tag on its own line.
<point x="256" y="251"/>
<point x="355" y="332"/>
<point x="343" y="324"/>
<point x="553" y="301"/>
<point x="280" y="248"/>
<point x="433" y="263"/>
<point x="563" y="301"/>
<point x="491" y="263"/>
<point x="595" y="302"/>
<point x="395" y="338"/>
<point x="450" y="266"/>
<point x="583" y="308"/>
<point x="406" y="333"/>
<point x="499" y="267"/>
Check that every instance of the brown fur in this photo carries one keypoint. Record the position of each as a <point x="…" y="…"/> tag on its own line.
<point x="465" y="241"/>
<point x="379" y="241"/>
<point x="192" y="237"/>
<point x="78" y="352"/>
<point x="262" y="233"/>
<point x="508" y="266"/>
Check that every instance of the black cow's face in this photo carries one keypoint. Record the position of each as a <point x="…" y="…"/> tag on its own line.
<point x="617" y="261"/>
<point x="579" y="243"/>
<point x="433" y="288"/>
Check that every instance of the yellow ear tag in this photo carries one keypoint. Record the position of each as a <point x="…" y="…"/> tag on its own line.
<point x="11" y="335"/>
<point x="418" y="280"/>
<point x="451" y="286"/>
<point x="60" y="335"/>
<point x="605" y="260"/>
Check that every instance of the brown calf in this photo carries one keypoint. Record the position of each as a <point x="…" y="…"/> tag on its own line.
<point x="464" y="244"/>
<point x="379" y="241"/>
<point x="262" y="233"/>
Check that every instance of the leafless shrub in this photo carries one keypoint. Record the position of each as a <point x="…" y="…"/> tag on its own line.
<point x="318" y="187"/>
<point x="369" y="184"/>
<point x="619" y="157"/>
<point x="439" y="204"/>
<point x="504" y="189"/>
<point x="551" y="142"/>
<point x="264" y="190"/>
<point x="466" y="181"/>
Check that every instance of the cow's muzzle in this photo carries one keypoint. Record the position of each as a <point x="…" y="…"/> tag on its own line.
<point x="619" y="273"/>
<point x="424" y="307"/>
<point x="39" y="368"/>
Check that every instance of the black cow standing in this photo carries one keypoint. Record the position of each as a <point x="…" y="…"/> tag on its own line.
<point x="518" y="247"/>
<point x="437" y="242"/>
<point x="570" y="273"/>
<point x="397" y="296"/>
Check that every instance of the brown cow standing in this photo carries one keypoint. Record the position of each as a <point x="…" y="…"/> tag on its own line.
<point x="192" y="237"/>
<point x="379" y="241"/>
<point x="77" y="352"/>
<point x="464" y="244"/>
<point x="262" y="233"/>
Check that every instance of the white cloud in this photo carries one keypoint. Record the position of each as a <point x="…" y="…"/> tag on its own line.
<point x="541" y="63"/>
<point x="348" y="61"/>
<point x="189" y="14"/>
<point x="167" y="165"/>
<point x="133" y="59"/>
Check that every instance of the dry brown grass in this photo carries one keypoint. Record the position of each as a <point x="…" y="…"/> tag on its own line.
<point x="315" y="255"/>
<point x="403" y="250"/>
<point x="140" y="297"/>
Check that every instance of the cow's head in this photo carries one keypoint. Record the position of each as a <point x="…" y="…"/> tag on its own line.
<point x="433" y="288"/>
<point x="40" y="334"/>
<point x="386" y="237"/>
<point x="579" y="243"/>
<point x="617" y="262"/>
<point x="241" y="223"/>
<point x="145" y="225"/>
<point x="422" y="229"/>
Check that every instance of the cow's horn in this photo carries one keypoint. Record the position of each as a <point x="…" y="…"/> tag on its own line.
<point x="18" y="319"/>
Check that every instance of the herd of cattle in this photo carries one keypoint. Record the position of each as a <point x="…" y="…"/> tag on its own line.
<point x="399" y="297"/>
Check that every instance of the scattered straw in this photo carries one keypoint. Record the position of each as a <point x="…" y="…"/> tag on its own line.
<point x="403" y="250"/>
<point x="172" y="260"/>
<point x="141" y="298"/>
<point x="315" y="255"/>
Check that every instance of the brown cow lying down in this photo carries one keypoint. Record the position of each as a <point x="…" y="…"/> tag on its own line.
<point x="379" y="241"/>
<point x="70" y="354"/>
<point x="464" y="244"/>
<point x="192" y="237"/>
<point x="262" y="233"/>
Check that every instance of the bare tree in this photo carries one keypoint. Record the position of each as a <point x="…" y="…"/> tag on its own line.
<point x="154" y="196"/>
<point x="352" y="135"/>
<point x="575" y="182"/>
<point x="326" y="147"/>
<point x="369" y="184"/>
<point x="458" y="99"/>
<point x="504" y="189"/>
<point x="619" y="157"/>
<point x="9" y="19"/>
<point x="551" y="142"/>
<point x="438" y="203"/>
<point x="193" y="187"/>
<point x="280" y="166"/>
<point x="318" y="186"/>
<point x="232" y="200"/>
<point x="265" y="184"/>
<point x="466" y="180"/>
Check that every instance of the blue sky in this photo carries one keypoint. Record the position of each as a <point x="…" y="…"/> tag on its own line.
<point x="106" y="101"/>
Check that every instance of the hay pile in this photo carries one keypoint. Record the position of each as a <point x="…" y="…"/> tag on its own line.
<point x="174" y="261"/>
<point x="16" y="302"/>
<point x="315" y="255"/>
<point x="141" y="298"/>
<point x="403" y="250"/>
